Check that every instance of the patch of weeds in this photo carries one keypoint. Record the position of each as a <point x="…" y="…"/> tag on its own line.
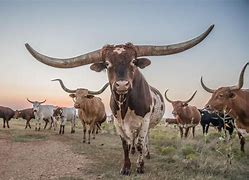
<point x="187" y="150"/>
<point x="29" y="138"/>
<point x="167" y="150"/>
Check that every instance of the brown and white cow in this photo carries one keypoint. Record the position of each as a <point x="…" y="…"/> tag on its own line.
<point x="91" y="109"/>
<point x="26" y="114"/>
<point x="135" y="105"/>
<point x="187" y="116"/>
<point x="6" y="113"/>
<point x="234" y="100"/>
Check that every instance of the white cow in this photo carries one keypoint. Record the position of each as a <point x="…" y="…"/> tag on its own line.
<point x="43" y="112"/>
<point x="63" y="114"/>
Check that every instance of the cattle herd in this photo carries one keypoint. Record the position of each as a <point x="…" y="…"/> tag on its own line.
<point x="136" y="106"/>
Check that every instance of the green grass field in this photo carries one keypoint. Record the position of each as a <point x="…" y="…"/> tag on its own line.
<point x="171" y="157"/>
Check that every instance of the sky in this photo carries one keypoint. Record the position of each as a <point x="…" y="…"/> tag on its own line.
<point x="69" y="28"/>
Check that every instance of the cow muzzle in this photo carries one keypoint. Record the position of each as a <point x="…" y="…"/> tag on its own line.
<point x="121" y="87"/>
<point x="77" y="105"/>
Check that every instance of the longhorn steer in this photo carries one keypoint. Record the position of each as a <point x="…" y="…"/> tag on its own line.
<point x="186" y="116"/>
<point x="63" y="114"/>
<point x="134" y="103"/>
<point x="90" y="108"/>
<point x="43" y="112"/>
<point x="6" y="113"/>
<point x="27" y="114"/>
<point x="235" y="101"/>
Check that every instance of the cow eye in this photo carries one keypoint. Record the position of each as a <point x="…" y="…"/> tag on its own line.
<point x="133" y="62"/>
<point x="220" y="95"/>
<point x="108" y="64"/>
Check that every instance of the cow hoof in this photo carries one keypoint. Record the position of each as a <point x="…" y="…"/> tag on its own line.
<point x="88" y="142"/>
<point x="147" y="156"/>
<point x="93" y="137"/>
<point x="73" y="131"/>
<point x="39" y="129"/>
<point x="125" y="171"/>
<point x="140" y="170"/>
<point x="84" y="141"/>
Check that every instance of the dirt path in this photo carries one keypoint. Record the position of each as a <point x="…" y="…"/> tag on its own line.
<point x="29" y="160"/>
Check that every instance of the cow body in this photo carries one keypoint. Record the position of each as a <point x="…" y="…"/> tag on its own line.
<point x="235" y="101"/>
<point x="26" y="114"/>
<point x="6" y="113"/>
<point x="63" y="114"/>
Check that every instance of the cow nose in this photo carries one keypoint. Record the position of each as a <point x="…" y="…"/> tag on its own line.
<point x="76" y="105"/>
<point x="122" y="86"/>
<point x="174" y="113"/>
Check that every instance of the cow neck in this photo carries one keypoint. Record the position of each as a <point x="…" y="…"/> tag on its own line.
<point x="138" y="98"/>
<point x="239" y="108"/>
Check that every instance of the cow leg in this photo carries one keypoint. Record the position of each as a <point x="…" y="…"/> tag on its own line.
<point x="242" y="142"/>
<point x="51" y="123"/>
<point x="203" y="128"/>
<point x="186" y="132"/>
<point x="181" y="131"/>
<point x="4" y="123"/>
<point x="7" y="121"/>
<point x="147" y="152"/>
<point x="89" y="135"/>
<point x="73" y="126"/>
<point x="207" y="127"/>
<point x="63" y="128"/>
<point x="26" y="124"/>
<point x="84" y="132"/>
<point x="94" y="130"/>
<point x="133" y="149"/>
<point x="125" y="170"/>
<point x="60" y="129"/>
<point x="193" y="131"/>
<point x="46" y="123"/>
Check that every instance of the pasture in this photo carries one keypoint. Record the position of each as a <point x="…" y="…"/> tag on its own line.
<point x="27" y="154"/>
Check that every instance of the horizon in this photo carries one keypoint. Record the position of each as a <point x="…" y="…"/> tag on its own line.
<point x="63" y="29"/>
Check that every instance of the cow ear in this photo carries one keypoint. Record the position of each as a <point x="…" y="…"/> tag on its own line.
<point x="72" y="95"/>
<point x="98" y="67"/>
<point x="142" y="62"/>
<point x="232" y="95"/>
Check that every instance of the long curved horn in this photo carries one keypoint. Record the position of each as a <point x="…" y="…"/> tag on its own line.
<point x="100" y="91"/>
<point x="241" y="79"/>
<point x="30" y="101"/>
<point x="165" y="94"/>
<point x="149" y="50"/>
<point x="190" y="99"/>
<point x="206" y="88"/>
<point x="88" y="58"/>
<point x="42" y="102"/>
<point x="64" y="87"/>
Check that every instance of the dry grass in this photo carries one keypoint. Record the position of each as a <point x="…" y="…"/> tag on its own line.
<point x="171" y="157"/>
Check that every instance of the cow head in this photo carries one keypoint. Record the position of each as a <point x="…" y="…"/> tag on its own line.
<point x="223" y="98"/>
<point x="178" y="106"/>
<point x="121" y="61"/>
<point x="80" y="95"/>
<point x="36" y="104"/>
